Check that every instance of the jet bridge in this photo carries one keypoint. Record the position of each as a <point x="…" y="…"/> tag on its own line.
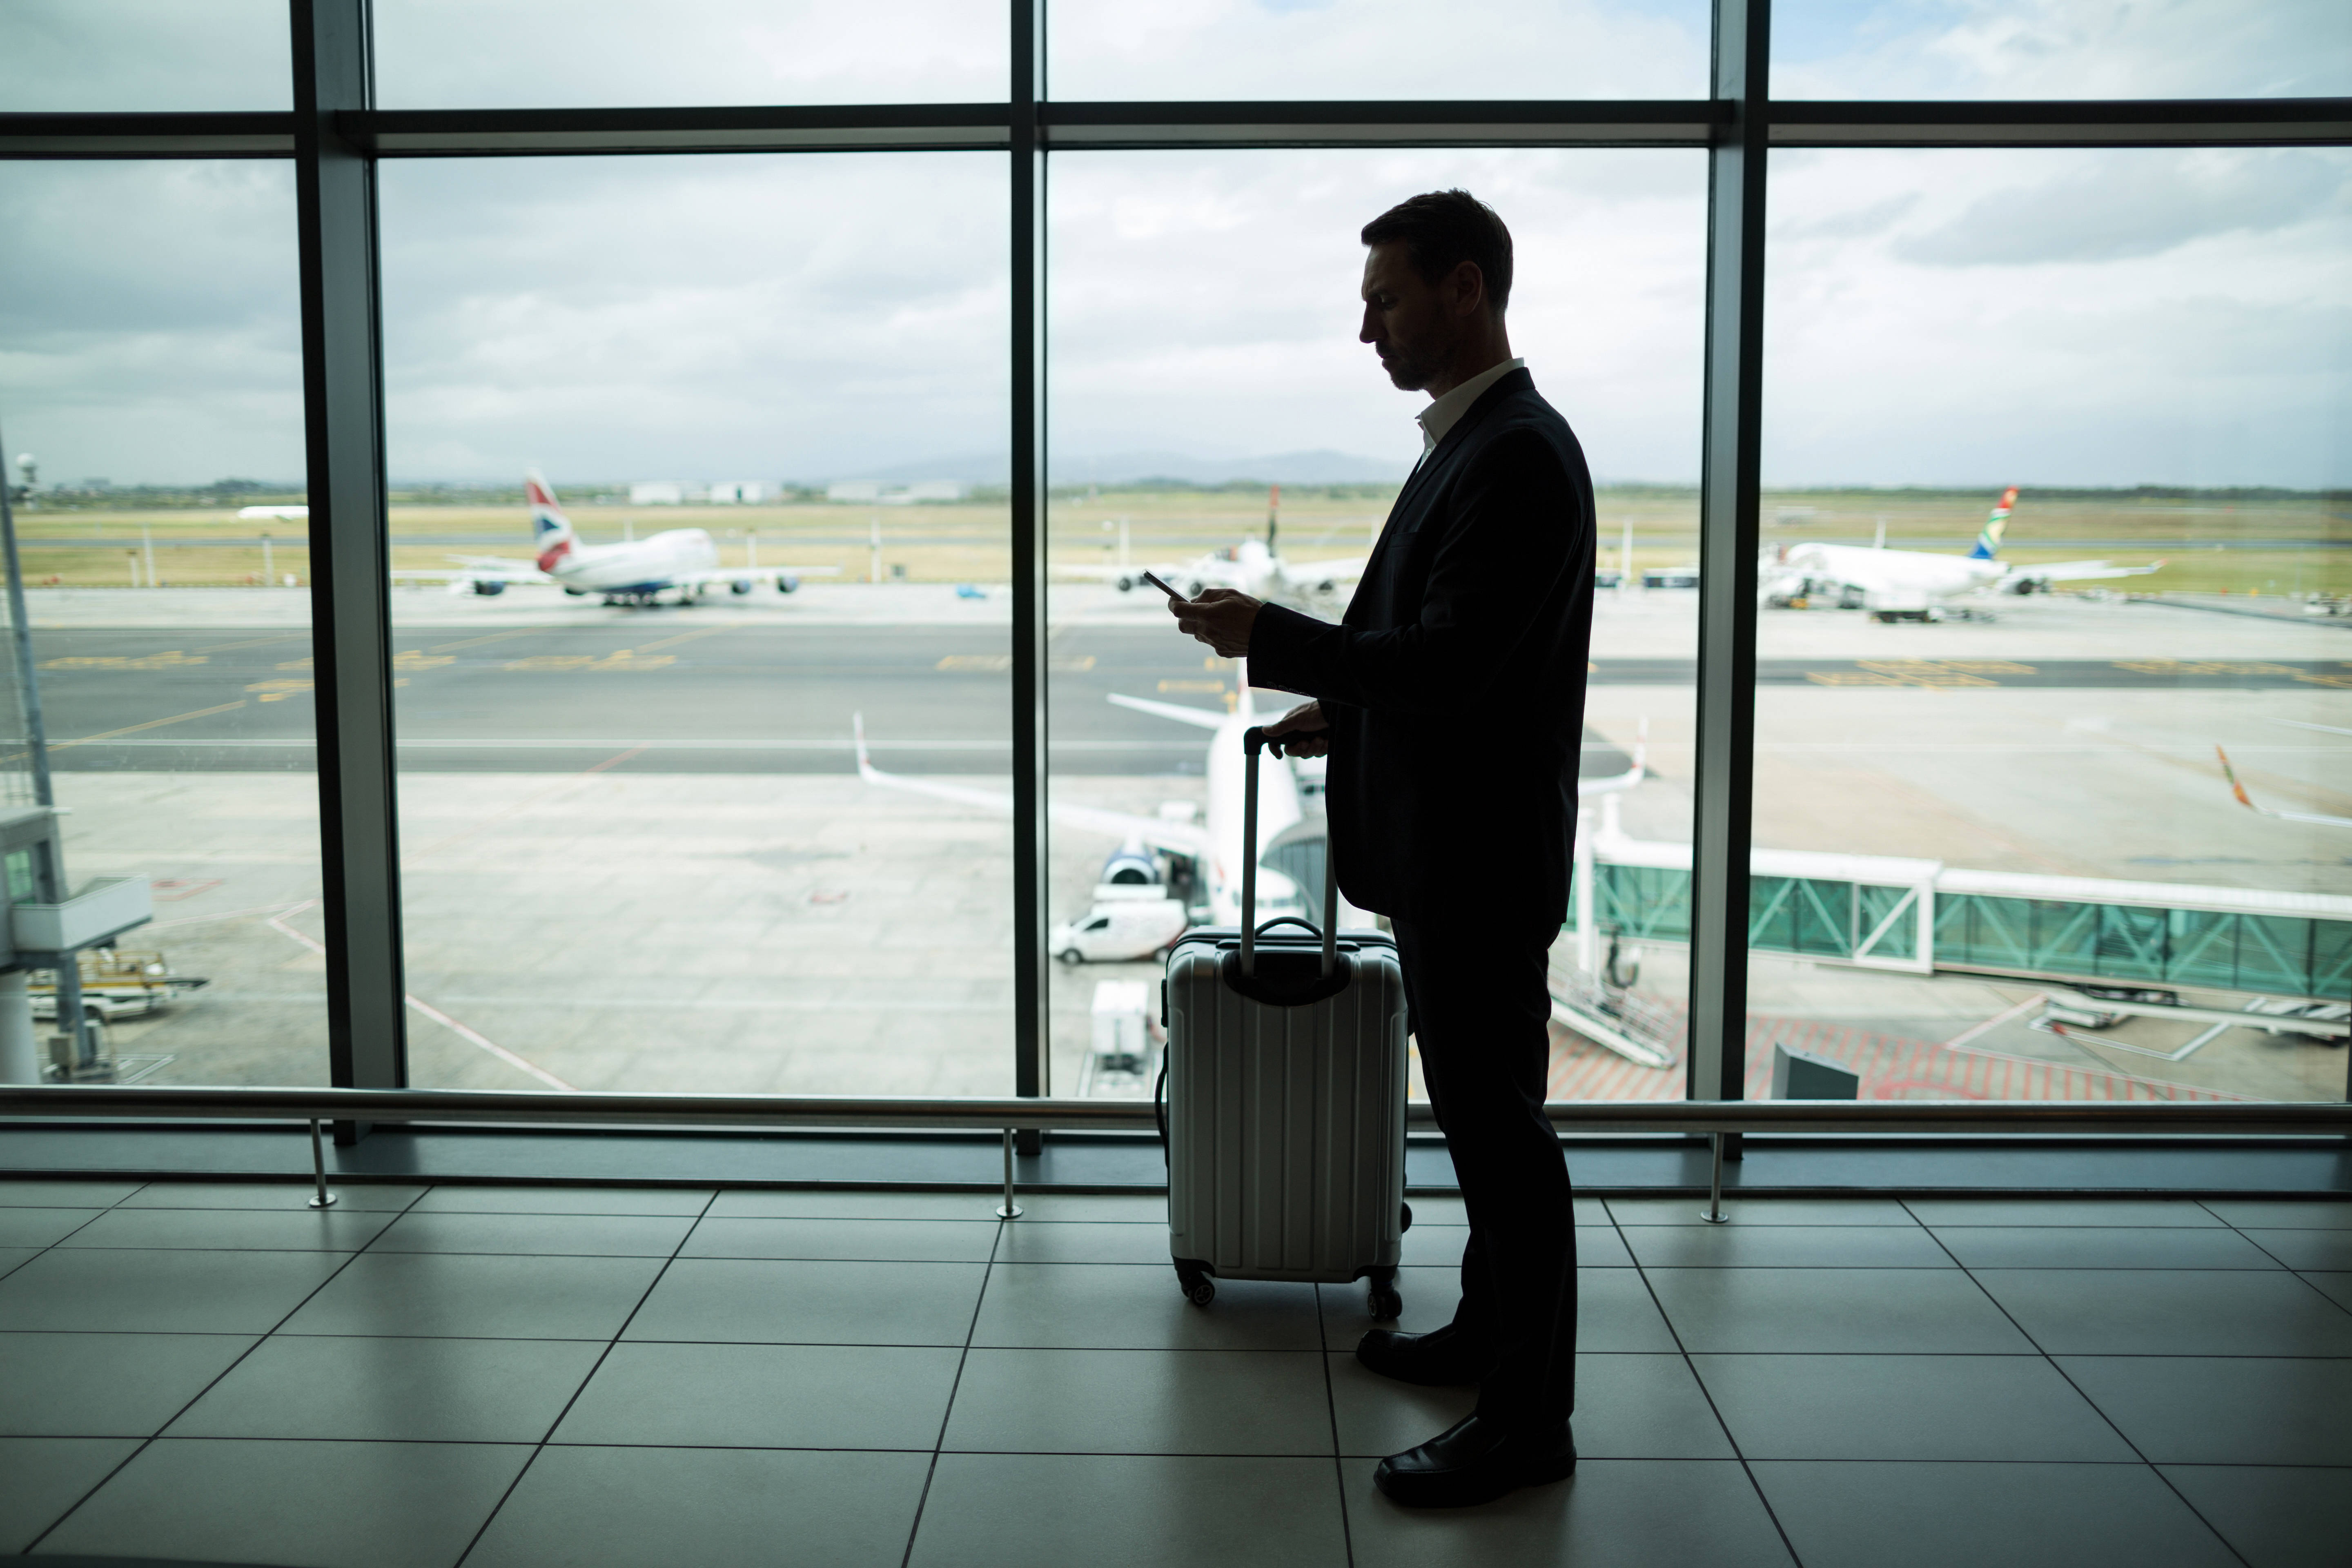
<point x="1924" y="917"/>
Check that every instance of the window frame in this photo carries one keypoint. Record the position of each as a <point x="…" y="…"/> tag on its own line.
<point x="337" y="139"/>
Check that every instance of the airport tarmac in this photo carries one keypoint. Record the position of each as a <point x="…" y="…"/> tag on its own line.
<point x="659" y="871"/>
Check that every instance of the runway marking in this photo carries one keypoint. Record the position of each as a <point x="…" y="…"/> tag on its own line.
<point x="278" y="924"/>
<point x="174" y="659"/>
<point x="588" y="663"/>
<point x="494" y="637"/>
<point x="998" y="663"/>
<point x="1192" y="685"/>
<point x="256" y="642"/>
<point x="684" y="637"/>
<point x="151" y="724"/>
<point x="540" y="798"/>
<point x="278" y="691"/>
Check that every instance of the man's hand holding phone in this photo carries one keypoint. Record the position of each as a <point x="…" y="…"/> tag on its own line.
<point x="1220" y="618"/>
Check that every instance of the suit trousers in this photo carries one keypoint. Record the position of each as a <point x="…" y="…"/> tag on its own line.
<point x="1479" y="1010"/>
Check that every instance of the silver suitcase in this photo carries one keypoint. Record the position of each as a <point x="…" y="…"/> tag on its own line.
<point x="1285" y="1086"/>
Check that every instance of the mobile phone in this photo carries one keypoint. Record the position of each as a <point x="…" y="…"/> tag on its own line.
<point x="1164" y="587"/>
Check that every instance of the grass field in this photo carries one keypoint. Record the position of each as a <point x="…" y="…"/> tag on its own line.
<point x="2208" y="546"/>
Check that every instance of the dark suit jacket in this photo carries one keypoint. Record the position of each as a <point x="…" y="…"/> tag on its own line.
<point x="1455" y="683"/>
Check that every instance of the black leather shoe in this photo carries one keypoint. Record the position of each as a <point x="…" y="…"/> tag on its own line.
<point x="1434" y="1360"/>
<point x="1476" y="1461"/>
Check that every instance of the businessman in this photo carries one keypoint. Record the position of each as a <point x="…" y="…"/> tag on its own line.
<point x="1450" y="699"/>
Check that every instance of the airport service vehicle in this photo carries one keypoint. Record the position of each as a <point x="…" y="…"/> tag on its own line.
<point x="1126" y="922"/>
<point x="1257" y="569"/>
<point x="1915" y="584"/>
<point x="1289" y="848"/>
<point x="116" y="984"/>
<point x="1284" y="1122"/>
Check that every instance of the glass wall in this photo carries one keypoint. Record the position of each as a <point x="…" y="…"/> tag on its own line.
<point x="2060" y="48"/>
<point x="2049" y="702"/>
<point x="80" y="55"/>
<point x="1214" y="418"/>
<point x="2055" y="448"/>
<point x="542" y="54"/>
<point x="636" y="850"/>
<point x="1359" y="49"/>
<point x="152" y="409"/>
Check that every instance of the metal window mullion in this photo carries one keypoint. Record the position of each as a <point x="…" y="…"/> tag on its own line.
<point x="350" y="640"/>
<point x="1727" y="545"/>
<point x="1032" y="1072"/>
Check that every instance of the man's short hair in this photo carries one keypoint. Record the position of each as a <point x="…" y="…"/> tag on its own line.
<point x="1442" y="229"/>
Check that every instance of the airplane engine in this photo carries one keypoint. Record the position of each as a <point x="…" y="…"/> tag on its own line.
<point x="1126" y="585"/>
<point x="786" y="585"/>
<point x="1193" y="589"/>
<point x="489" y="590"/>
<point x="1130" y="865"/>
<point x="740" y="585"/>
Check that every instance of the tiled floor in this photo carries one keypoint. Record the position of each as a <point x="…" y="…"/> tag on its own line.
<point x="517" y="1376"/>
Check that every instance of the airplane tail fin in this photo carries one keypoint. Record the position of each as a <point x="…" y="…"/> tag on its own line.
<point x="549" y="529"/>
<point x="1989" y="541"/>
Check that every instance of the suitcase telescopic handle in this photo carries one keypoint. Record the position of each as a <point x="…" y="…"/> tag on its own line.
<point x="1253" y="740"/>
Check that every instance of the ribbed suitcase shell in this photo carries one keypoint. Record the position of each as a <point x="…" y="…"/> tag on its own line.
<point x="1286" y="1125"/>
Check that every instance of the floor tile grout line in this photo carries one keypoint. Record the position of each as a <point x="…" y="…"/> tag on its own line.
<point x="2299" y="1273"/>
<point x="238" y="1360"/>
<point x="1691" y="1366"/>
<point x="955" y="1387"/>
<point x="2121" y="1435"/>
<point x="1331" y="1407"/>
<point x="539" y="1446"/>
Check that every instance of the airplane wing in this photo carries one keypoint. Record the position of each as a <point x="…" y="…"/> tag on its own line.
<point x="1311" y="574"/>
<point x="1181" y="838"/>
<point x="2074" y="572"/>
<point x="1201" y="718"/>
<point x="2315" y="818"/>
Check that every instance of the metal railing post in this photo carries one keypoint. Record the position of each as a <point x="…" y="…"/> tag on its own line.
<point x="1009" y="1208"/>
<point x="322" y="1198"/>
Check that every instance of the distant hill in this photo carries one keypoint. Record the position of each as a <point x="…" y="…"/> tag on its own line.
<point x="1326" y="468"/>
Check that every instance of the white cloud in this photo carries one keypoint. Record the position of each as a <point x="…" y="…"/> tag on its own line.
<point x="150" y="325"/>
<point x="2060" y="48"/>
<point x="2217" y="354"/>
<point x="1207" y="302"/>
<point x="68" y="55"/>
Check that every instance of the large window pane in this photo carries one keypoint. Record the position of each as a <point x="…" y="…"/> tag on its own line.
<point x="636" y="850"/>
<point x="1204" y="311"/>
<point x="70" y="55"/>
<point x="2060" y="48"/>
<point x="152" y="391"/>
<point x="1993" y="820"/>
<point x="561" y="54"/>
<point x="1377" y="48"/>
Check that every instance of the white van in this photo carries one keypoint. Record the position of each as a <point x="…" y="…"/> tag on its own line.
<point x="1119" y="929"/>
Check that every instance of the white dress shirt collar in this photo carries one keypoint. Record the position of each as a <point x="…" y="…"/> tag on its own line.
<point x="1443" y="412"/>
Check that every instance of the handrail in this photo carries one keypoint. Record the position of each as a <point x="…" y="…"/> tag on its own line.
<point x="137" y="1102"/>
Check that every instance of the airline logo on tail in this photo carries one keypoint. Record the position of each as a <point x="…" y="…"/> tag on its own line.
<point x="549" y="526"/>
<point x="1989" y="541"/>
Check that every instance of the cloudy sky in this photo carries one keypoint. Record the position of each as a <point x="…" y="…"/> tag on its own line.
<point x="2052" y="317"/>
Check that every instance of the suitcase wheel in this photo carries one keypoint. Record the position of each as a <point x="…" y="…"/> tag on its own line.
<point x="1198" y="1288"/>
<point x="1404" y="1218"/>
<point x="1387" y="1305"/>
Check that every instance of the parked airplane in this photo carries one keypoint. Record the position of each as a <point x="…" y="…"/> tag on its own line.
<point x="1292" y="841"/>
<point x="1257" y="569"/>
<point x="2315" y="818"/>
<point x="679" y="561"/>
<point x="1914" y="585"/>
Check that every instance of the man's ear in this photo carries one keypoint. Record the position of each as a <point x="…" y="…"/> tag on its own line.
<point x="1468" y="286"/>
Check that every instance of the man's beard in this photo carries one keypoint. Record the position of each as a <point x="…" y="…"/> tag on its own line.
<point x="1408" y="373"/>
